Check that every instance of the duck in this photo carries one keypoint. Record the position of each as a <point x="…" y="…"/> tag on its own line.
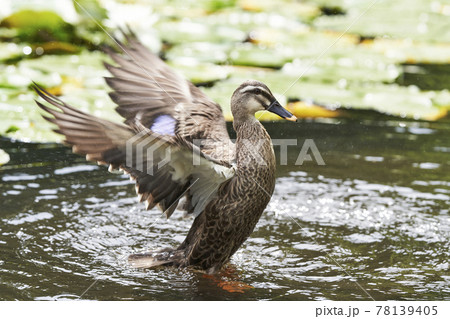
<point x="175" y="145"/>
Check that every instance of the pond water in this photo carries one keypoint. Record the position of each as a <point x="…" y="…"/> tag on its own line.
<point x="371" y="223"/>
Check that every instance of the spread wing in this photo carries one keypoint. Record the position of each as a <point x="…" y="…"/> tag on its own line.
<point x="165" y="167"/>
<point x="146" y="90"/>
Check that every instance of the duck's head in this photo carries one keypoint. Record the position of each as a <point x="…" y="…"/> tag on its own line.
<point x="253" y="96"/>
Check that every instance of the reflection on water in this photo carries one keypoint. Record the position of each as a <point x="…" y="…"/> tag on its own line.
<point x="377" y="214"/>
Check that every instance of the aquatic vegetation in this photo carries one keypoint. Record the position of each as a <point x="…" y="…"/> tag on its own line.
<point x="298" y="48"/>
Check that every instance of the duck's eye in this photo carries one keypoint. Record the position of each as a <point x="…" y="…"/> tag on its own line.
<point x="257" y="91"/>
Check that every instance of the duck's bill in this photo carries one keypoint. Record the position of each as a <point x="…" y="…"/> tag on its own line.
<point x="277" y="109"/>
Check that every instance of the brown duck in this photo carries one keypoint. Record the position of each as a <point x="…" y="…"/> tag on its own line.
<point x="175" y="145"/>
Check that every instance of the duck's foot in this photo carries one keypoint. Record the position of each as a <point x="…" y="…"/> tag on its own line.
<point x="234" y="286"/>
<point x="225" y="281"/>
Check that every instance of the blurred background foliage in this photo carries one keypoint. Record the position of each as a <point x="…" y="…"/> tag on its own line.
<point x="337" y="58"/>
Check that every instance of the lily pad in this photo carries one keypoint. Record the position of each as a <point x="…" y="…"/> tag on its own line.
<point x="30" y="19"/>
<point x="390" y="99"/>
<point x="303" y="10"/>
<point x="200" y="73"/>
<point x="81" y="65"/>
<point x="251" y="55"/>
<point x="20" y="119"/>
<point x="39" y="26"/>
<point x="246" y="22"/>
<point x="189" y="31"/>
<point x="418" y="20"/>
<point x="22" y="113"/>
<point x="201" y="52"/>
<point x="90" y="10"/>
<point x="79" y="81"/>
<point x="407" y="51"/>
<point x="296" y="47"/>
<point x="8" y="51"/>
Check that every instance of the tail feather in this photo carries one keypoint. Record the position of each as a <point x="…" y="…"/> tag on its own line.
<point x="155" y="259"/>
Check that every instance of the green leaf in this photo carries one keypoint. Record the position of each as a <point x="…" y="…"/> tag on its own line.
<point x="201" y="52"/>
<point x="250" y="55"/>
<point x="189" y="31"/>
<point x="33" y="20"/>
<point x="12" y="129"/>
<point x="417" y="20"/>
<point x="39" y="26"/>
<point x="200" y="73"/>
<point x="90" y="10"/>
<point x="79" y="78"/>
<point x="390" y="99"/>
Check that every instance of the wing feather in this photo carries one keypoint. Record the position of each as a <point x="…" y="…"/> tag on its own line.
<point x="144" y="88"/>
<point x="187" y="170"/>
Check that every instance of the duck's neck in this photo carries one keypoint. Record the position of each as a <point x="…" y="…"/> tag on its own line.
<point x="254" y="151"/>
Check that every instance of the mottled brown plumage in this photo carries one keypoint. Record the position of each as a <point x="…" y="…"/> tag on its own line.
<point x="175" y="145"/>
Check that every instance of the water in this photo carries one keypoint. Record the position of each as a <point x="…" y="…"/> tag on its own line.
<point x="371" y="223"/>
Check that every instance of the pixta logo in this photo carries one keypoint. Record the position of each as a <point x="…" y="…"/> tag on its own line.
<point x="147" y="152"/>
